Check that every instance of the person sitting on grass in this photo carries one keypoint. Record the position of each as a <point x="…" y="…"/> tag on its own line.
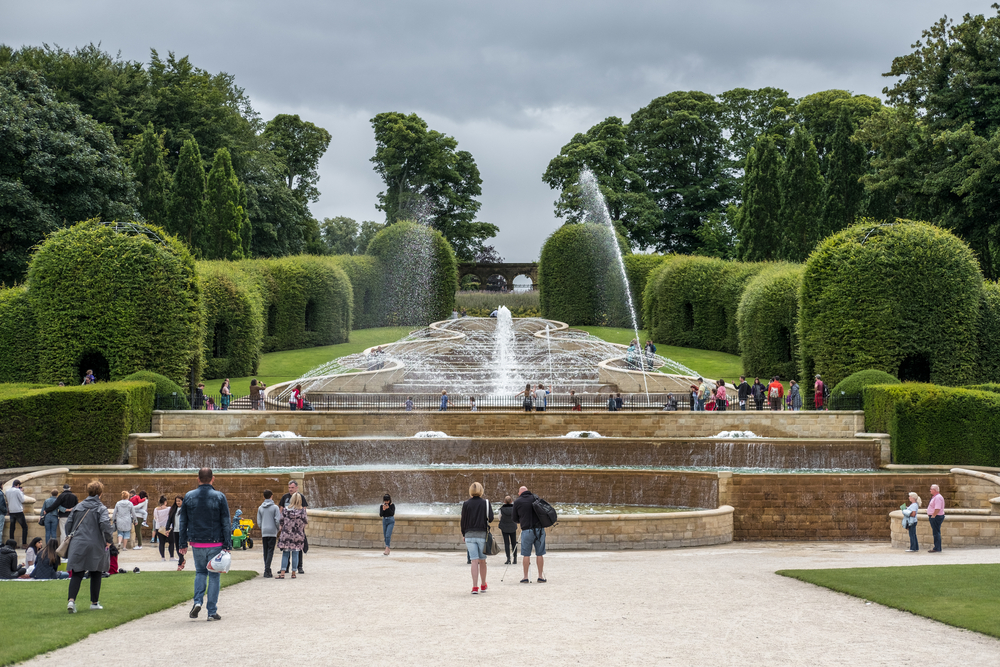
<point x="47" y="563"/>
<point x="9" y="567"/>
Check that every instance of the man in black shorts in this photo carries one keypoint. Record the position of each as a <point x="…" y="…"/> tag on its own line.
<point x="293" y="487"/>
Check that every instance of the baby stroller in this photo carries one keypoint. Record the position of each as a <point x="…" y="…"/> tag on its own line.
<point x="241" y="531"/>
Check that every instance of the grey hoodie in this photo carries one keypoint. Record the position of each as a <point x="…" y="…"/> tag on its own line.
<point x="268" y="517"/>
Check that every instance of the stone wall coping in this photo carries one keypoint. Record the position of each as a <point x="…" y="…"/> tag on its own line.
<point x="966" y="514"/>
<point x="719" y="511"/>
<point x="977" y="473"/>
<point x="44" y="472"/>
<point x="862" y="434"/>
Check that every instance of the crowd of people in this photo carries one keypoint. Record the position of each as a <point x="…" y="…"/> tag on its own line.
<point x="709" y="396"/>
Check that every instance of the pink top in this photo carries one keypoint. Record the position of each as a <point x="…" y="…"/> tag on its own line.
<point x="205" y="545"/>
<point x="936" y="503"/>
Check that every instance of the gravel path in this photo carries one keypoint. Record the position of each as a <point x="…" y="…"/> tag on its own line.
<point x="718" y="605"/>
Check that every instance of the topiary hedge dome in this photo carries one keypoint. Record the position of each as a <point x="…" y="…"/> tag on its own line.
<point x="579" y="278"/>
<point x="115" y="302"/>
<point x="903" y="298"/>
<point x="419" y="274"/>
<point x="855" y="382"/>
<point x="767" y="319"/>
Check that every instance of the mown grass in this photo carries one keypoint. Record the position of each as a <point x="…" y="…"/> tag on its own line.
<point x="714" y="365"/>
<point x="966" y="596"/>
<point x="34" y="619"/>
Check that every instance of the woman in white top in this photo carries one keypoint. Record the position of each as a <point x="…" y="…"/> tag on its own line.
<point x="910" y="520"/>
<point x="160" y="516"/>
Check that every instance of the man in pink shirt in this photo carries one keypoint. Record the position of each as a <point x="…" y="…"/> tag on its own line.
<point x="935" y="513"/>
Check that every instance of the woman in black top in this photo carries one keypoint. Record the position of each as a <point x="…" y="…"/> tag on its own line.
<point x="173" y="531"/>
<point x="388" y="513"/>
<point x="476" y="517"/>
<point x="509" y="529"/>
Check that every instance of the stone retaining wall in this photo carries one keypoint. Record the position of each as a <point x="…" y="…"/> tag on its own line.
<point x="958" y="530"/>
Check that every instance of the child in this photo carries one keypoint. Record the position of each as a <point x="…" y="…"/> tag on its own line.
<point x="409" y="404"/>
<point x="236" y="521"/>
<point x="211" y="404"/>
<point x="113" y="553"/>
<point x="472" y="404"/>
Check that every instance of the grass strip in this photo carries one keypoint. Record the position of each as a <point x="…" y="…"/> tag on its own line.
<point x="965" y="596"/>
<point x="34" y="618"/>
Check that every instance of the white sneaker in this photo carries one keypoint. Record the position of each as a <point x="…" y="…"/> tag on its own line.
<point x="71" y="607"/>
<point x="95" y="605"/>
<point x="136" y="548"/>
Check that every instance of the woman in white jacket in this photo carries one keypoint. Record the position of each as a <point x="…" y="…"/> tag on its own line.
<point x="910" y="520"/>
<point x="123" y="519"/>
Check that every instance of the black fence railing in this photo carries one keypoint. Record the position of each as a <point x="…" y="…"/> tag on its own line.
<point x="493" y="402"/>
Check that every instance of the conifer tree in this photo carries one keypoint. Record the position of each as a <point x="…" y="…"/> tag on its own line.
<point x="187" y="199"/>
<point x="801" y="198"/>
<point x="152" y="177"/>
<point x="757" y="228"/>
<point x="844" y="192"/>
<point x="224" y="216"/>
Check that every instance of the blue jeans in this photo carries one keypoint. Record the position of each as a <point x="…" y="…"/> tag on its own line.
<point x="475" y="547"/>
<point x="936" y="522"/>
<point x="284" y="560"/>
<point x="388" y="522"/>
<point x="912" y="530"/>
<point x="51" y="527"/>
<point x="201" y="558"/>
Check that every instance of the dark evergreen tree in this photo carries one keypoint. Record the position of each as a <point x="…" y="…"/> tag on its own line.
<point x="801" y="198"/>
<point x="151" y="176"/>
<point x="187" y="199"/>
<point x="224" y="217"/>
<point x="844" y="191"/>
<point x="757" y="228"/>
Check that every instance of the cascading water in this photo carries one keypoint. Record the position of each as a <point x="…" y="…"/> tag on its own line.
<point x="503" y="352"/>
<point x="597" y="212"/>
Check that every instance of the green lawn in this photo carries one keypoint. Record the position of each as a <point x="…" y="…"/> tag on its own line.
<point x="34" y="619"/>
<point x="966" y="596"/>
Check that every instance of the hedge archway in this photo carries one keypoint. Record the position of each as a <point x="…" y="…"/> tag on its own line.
<point x="233" y="307"/>
<point x="767" y="319"/>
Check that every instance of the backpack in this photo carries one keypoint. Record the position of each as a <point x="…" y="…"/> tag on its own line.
<point x="544" y="512"/>
<point x="774" y="393"/>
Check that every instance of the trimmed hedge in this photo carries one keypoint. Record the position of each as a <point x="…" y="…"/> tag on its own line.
<point x="164" y="386"/>
<point x="419" y="274"/>
<point x="101" y="296"/>
<point x="767" y="319"/>
<point x="233" y="311"/>
<point x="638" y="268"/>
<point x="365" y="274"/>
<point x="854" y="383"/>
<point x="71" y="425"/>
<point x="18" y="337"/>
<point x="987" y="330"/>
<point x="579" y="280"/>
<point x="935" y="425"/>
<point x="694" y="301"/>
<point x="902" y="298"/>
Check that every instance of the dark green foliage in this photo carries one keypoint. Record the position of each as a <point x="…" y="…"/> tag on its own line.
<point x="843" y="193"/>
<point x="71" y="425"/>
<point x="820" y="113"/>
<point x="225" y="217"/>
<point x="57" y="166"/>
<point x="233" y="315"/>
<point x="123" y="298"/>
<point x="419" y="273"/>
<point x="902" y="298"/>
<point x="187" y="199"/>
<point x="579" y="279"/>
<point x="933" y="425"/>
<point x="638" y="268"/>
<point x="151" y="177"/>
<point x="695" y="301"/>
<point x="801" y="198"/>
<point x="365" y="274"/>
<point x="164" y="386"/>
<point x="987" y="333"/>
<point x="299" y="144"/>
<point x="767" y="320"/>
<point x="854" y="383"/>
<point x="757" y="224"/>
<point x="18" y="337"/>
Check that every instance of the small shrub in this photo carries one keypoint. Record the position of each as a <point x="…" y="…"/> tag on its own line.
<point x="853" y="384"/>
<point x="164" y="386"/>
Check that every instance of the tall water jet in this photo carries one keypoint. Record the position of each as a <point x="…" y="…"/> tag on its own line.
<point x="597" y="212"/>
<point x="503" y="352"/>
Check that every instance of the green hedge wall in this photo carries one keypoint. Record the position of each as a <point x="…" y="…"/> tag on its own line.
<point x="855" y="383"/>
<point x="694" y="302"/>
<point x="101" y="296"/>
<point x="638" y="268"/>
<point x="579" y="279"/>
<point x="71" y="425"/>
<point x="18" y="337"/>
<point x="233" y="314"/>
<point x="987" y="330"/>
<point x="163" y="386"/>
<point x="767" y="319"/>
<point x="419" y="274"/>
<point x="365" y="274"/>
<point x="935" y="425"/>
<point x="902" y="298"/>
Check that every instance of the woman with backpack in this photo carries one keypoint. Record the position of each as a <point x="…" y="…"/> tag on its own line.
<point x="91" y="531"/>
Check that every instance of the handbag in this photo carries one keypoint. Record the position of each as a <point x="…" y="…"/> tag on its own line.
<point x="492" y="548"/>
<point x="63" y="549"/>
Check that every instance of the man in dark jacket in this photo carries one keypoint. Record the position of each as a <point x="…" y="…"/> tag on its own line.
<point x="65" y="502"/>
<point x="743" y="392"/>
<point x="293" y="487"/>
<point x="532" y="533"/>
<point x="204" y="524"/>
<point x="9" y="567"/>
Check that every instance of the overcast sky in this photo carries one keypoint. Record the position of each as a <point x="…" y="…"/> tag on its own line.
<point x="511" y="81"/>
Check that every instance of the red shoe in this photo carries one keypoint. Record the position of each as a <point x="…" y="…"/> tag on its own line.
<point x="475" y="590"/>
<point x="483" y="587"/>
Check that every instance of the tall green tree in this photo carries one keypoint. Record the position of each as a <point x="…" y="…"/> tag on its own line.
<point x="758" y="226"/>
<point x="747" y="114"/>
<point x="340" y="234"/>
<point x="681" y="156"/>
<point x="821" y="111"/>
<point x="801" y="216"/>
<point x="605" y="151"/>
<point x="428" y="180"/>
<point x="843" y="193"/>
<point x="151" y="177"/>
<point x="224" y="217"/>
<point x="186" y="217"/>
<point x="368" y="230"/>
<point x="299" y="144"/>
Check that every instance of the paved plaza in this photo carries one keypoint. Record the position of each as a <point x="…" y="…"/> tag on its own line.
<point x="720" y="605"/>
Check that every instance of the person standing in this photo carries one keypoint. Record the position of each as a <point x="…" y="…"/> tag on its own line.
<point x="775" y="393"/>
<point x="50" y="516"/>
<point x="574" y="401"/>
<point x="757" y="391"/>
<point x="123" y="519"/>
<point x="910" y="519"/>
<point x="293" y="535"/>
<point x="703" y="395"/>
<point x="204" y="525"/>
<point x="532" y="533"/>
<point x="90" y="527"/>
<point x="227" y="394"/>
<point x="720" y="396"/>
<point x="819" y="393"/>
<point x="160" y="517"/>
<point x="541" y="398"/>
<point x="293" y="488"/>
<point x="444" y="401"/>
<point x="743" y="392"/>
<point x="388" y="513"/>
<point x="527" y="401"/>
<point x="268" y="518"/>
<point x="935" y="515"/>
<point x="254" y="395"/>
<point x="174" y="533"/>
<point x="141" y="503"/>
<point x="508" y="529"/>
<point x="67" y="501"/>
<point x="476" y="517"/>
<point x="794" y="396"/>
<point x="15" y="507"/>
